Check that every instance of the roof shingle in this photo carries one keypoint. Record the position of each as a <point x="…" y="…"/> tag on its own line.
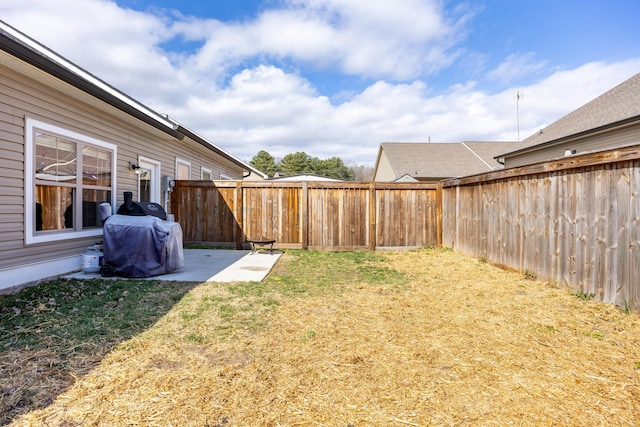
<point x="443" y="160"/>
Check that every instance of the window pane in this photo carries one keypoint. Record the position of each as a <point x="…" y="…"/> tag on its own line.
<point x="54" y="207"/>
<point x="91" y="200"/>
<point x="183" y="171"/>
<point x="56" y="158"/>
<point x="96" y="166"/>
<point x="145" y="185"/>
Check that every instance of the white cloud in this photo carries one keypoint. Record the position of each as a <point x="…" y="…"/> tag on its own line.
<point x="516" y="66"/>
<point x="231" y="92"/>
<point x="398" y="40"/>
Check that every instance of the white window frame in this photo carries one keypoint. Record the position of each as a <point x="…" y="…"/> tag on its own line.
<point x="182" y="162"/>
<point x="224" y="177"/>
<point x="31" y="236"/>
<point x="204" y="170"/>
<point x="154" y="166"/>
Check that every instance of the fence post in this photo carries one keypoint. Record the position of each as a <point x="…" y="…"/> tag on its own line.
<point x="304" y="215"/>
<point x="439" y="214"/>
<point x="372" y="216"/>
<point x="239" y="214"/>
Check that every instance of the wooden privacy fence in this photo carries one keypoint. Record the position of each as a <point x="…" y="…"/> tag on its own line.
<point x="308" y="215"/>
<point x="574" y="222"/>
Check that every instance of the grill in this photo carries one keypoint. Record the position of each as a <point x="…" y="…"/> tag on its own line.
<point x="139" y="242"/>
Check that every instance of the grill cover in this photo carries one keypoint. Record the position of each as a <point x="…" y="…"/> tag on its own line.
<point x="142" y="246"/>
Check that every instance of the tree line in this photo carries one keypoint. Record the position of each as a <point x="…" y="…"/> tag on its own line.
<point x="301" y="163"/>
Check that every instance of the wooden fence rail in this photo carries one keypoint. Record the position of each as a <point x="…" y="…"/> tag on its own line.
<point x="313" y="215"/>
<point x="574" y="222"/>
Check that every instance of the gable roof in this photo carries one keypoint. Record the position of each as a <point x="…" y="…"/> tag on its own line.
<point x="28" y="50"/>
<point x="405" y="178"/>
<point x="616" y="107"/>
<point x="442" y="160"/>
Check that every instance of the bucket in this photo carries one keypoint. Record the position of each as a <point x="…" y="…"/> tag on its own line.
<point x="91" y="260"/>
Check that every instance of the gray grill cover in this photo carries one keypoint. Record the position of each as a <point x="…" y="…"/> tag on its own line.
<point x="142" y="246"/>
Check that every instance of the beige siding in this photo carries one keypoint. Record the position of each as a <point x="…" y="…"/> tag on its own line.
<point x="596" y="142"/>
<point x="384" y="172"/>
<point x="199" y="157"/>
<point x="22" y="97"/>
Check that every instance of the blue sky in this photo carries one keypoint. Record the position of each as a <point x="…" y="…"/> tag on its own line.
<point x="336" y="78"/>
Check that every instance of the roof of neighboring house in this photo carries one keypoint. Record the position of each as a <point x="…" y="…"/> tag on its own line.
<point x="21" y="46"/>
<point x="488" y="150"/>
<point x="405" y="178"/>
<point x="618" y="106"/>
<point x="442" y="160"/>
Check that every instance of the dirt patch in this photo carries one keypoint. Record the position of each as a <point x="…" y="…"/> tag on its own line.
<point x="460" y="342"/>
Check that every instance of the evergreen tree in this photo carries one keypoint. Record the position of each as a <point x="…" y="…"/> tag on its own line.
<point x="300" y="163"/>
<point x="264" y="162"/>
<point x="296" y="164"/>
<point x="334" y="167"/>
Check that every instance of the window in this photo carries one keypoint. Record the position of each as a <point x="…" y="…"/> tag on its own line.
<point x="206" y="175"/>
<point x="183" y="169"/>
<point x="67" y="176"/>
<point x="148" y="180"/>
<point x="224" y="177"/>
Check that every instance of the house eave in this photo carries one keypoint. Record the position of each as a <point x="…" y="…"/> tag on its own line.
<point x="31" y="52"/>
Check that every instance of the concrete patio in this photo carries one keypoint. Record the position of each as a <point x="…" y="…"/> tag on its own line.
<point x="214" y="265"/>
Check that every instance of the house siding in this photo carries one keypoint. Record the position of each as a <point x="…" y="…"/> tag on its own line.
<point x="197" y="154"/>
<point x="384" y="171"/>
<point x="595" y="142"/>
<point x="22" y="97"/>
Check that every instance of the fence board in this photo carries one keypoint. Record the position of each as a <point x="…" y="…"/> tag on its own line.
<point x="587" y="199"/>
<point x="634" y="236"/>
<point x="618" y="232"/>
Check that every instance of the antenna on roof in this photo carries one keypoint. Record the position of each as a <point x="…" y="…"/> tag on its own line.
<point x="517" y="97"/>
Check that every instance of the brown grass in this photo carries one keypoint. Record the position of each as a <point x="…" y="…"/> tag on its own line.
<point x="460" y="343"/>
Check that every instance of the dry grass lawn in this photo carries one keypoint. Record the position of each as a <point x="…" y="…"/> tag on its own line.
<point x="442" y="340"/>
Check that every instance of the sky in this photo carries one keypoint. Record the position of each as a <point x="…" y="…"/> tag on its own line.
<point x="338" y="77"/>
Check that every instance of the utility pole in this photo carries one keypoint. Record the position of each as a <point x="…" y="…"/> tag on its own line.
<point x="517" y="97"/>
